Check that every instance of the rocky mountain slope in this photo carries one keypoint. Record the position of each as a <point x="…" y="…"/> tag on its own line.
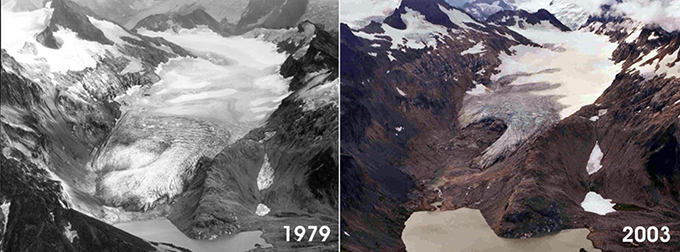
<point x="55" y="109"/>
<point x="421" y="114"/>
<point x="572" y="13"/>
<point x="298" y="142"/>
<point x="176" y="21"/>
<point x="522" y="19"/>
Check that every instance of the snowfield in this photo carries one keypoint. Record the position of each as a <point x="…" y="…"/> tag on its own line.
<point x="420" y="33"/>
<point x="477" y="48"/>
<point x="243" y="86"/>
<point x="18" y="38"/>
<point x="262" y="210"/>
<point x="265" y="178"/>
<point x="595" y="159"/>
<point x="595" y="203"/>
<point x="576" y="84"/>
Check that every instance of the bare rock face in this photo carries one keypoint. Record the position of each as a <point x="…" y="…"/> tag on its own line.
<point x="522" y="18"/>
<point x="176" y="21"/>
<point x="272" y="14"/>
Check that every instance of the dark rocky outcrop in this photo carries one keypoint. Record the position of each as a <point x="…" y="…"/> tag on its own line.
<point x="272" y="14"/>
<point x="321" y="54"/>
<point x="67" y="15"/>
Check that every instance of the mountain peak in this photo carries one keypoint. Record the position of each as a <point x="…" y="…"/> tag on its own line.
<point x="272" y="14"/>
<point x="433" y="11"/>
<point x="523" y="19"/>
<point x="176" y="21"/>
<point x="69" y="15"/>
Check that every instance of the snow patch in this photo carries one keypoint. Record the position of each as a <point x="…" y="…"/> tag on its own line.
<point x="477" y="48"/>
<point x="319" y="91"/>
<point x="265" y="178"/>
<point x="389" y="55"/>
<point x="601" y="112"/>
<point x="262" y="210"/>
<point x="69" y="232"/>
<point x="135" y="65"/>
<point x="18" y="29"/>
<point x="401" y="92"/>
<point x="594" y="118"/>
<point x="594" y="161"/>
<point x="658" y="66"/>
<point x="459" y="18"/>
<point x="419" y="33"/>
<point x="5" y="212"/>
<point x="477" y="90"/>
<point x="595" y="203"/>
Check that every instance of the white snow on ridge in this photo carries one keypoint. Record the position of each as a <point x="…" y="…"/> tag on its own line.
<point x="477" y="48"/>
<point x="419" y="33"/>
<point x="459" y="18"/>
<point x="571" y="13"/>
<point x="112" y="31"/>
<point x="658" y="67"/>
<point x="18" y="38"/>
<point x="595" y="159"/>
<point x="262" y="210"/>
<point x="265" y="178"/>
<point x="318" y="91"/>
<point x="595" y="203"/>
<point x="577" y="84"/>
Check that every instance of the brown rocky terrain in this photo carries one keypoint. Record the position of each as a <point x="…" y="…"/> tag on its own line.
<point x="389" y="172"/>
